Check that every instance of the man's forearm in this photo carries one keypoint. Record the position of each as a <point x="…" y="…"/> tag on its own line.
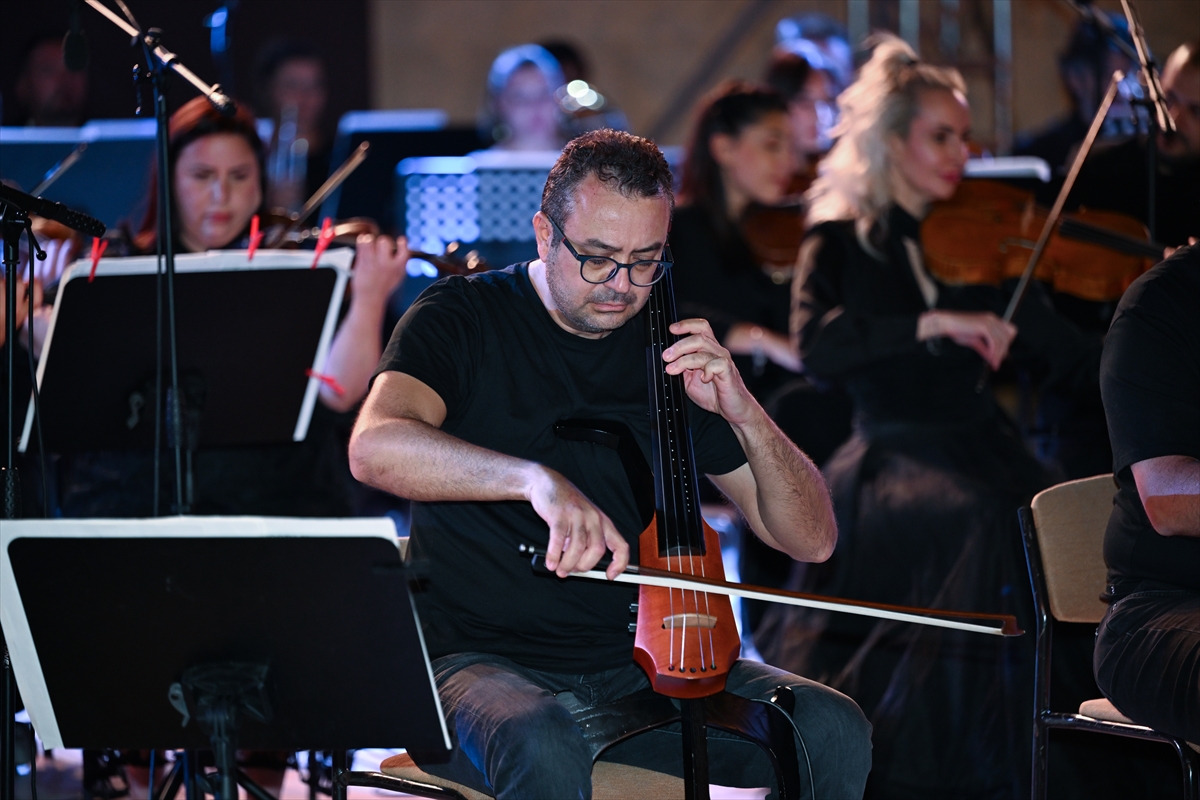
<point x="791" y="507"/>
<point x="1169" y="488"/>
<point x="415" y="460"/>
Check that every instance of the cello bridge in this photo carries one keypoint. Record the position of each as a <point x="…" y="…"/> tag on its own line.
<point x="690" y="621"/>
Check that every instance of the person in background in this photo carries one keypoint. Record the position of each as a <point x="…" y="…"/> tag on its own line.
<point x="927" y="489"/>
<point x="822" y="41"/>
<point x="739" y="155"/>
<point x="809" y="96"/>
<point x="47" y="93"/>
<point x="292" y="91"/>
<point x="1084" y="68"/>
<point x="1116" y="179"/>
<point x="520" y="110"/>
<point x="219" y="184"/>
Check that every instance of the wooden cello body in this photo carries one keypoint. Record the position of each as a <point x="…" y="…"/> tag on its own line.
<point x="686" y="640"/>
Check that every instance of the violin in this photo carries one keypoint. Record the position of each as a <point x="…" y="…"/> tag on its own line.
<point x="774" y="232"/>
<point x="984" y="235"/>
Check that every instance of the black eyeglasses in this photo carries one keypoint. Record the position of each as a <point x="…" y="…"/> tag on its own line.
<point x="602" y="269"/>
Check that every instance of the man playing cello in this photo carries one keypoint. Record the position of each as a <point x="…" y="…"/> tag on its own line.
<point x="461" y="419"/>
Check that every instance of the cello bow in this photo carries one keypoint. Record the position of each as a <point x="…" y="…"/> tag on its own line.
<point x="995" y="624"/>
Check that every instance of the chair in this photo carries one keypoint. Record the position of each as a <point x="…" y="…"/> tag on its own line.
<point x="1063" y="533"/>
<point x="768" y="725"/>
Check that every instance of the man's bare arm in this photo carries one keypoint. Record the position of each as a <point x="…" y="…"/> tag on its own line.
<point x="1169" y="487"/>
<point x="398" y="446"/>
<point x="781" y="493"/>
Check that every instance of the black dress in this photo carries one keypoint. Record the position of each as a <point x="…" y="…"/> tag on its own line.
<point x="926" y="494"/>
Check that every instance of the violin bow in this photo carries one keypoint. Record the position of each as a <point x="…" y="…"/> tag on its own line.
<point x="995" y="624"/>
<point x="327" y="188"/>
<point x="1052" y="219"/>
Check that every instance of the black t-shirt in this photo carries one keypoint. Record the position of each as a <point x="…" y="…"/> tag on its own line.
<point x="1150" y="378"/>
<point x="507" y="373"/>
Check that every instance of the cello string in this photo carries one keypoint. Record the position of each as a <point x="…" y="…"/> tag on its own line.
<point x="683" y="484"/>
<point x="658" y="339"/>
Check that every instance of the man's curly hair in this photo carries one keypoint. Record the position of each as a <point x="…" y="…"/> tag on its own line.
<point x="621" y="161"/>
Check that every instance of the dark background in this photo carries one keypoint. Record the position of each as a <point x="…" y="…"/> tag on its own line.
<point x="338" y="30"/>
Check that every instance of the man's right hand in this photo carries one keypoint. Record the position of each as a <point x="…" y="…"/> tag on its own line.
<point x="580" y="533"/>
<point x="982" y="331"/>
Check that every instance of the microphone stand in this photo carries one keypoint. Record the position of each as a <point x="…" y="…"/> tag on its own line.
<point x="160" y="62"/>
<point x="15" y="207"/>
<point x="1159" y="120"/>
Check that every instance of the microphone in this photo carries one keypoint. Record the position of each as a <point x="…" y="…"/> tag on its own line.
<point x="75" y="220"/>
<point x="75" y="46"/>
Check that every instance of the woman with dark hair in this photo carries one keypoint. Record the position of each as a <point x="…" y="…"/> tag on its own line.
<point x="216" y="165"/>
<point x="218" y="185"/>
<point x="739" y="155"/>
<point x="739" y="162"/>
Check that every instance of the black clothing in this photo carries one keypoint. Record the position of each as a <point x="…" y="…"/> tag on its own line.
<point x="1147" y="656"/>
<point x="724" y="284"/>
<point x="925" y="494"/>
<point x="1151" y="383"/>
<point x="1115" y="180"/>
<point x="298" y="479"/>
<point x="507" y="373"/>
<point x="1147" y="659"/>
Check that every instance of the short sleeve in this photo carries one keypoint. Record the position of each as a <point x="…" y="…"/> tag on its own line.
<point x="438" y="341"/>
<point x="1150" y="371"/>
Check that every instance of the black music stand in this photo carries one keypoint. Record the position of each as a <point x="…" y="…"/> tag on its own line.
<point x="248" y="333"/>
<point x="205" y="592"/>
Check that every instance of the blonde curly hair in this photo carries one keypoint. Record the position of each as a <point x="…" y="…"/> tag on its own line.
<point x="855" y="178"/>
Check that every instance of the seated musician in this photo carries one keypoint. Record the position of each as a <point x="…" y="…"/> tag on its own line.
<point x="1147" y="658"/>
<point x="461" y="419"/>
<point x="218" y="186"/>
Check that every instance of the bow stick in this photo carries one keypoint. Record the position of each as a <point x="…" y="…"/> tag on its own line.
<point x="995" y="624"/>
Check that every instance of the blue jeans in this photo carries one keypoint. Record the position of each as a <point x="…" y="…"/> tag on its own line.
<point x="1147" y="660"/>
<point x="515" y="739"/>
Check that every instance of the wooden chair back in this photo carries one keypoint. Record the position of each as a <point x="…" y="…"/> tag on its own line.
<point x="1070" y="519"/>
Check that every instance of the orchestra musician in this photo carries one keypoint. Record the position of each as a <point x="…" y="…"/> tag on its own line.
<point x="520" y="111"/>
<point x="1116" y="179"/>
<point x="739" y="155"/>
<point x="218" y="185"/>
<point x="927" y="489"/>
<point x="461" y="419"/>
<point x="1147" y="658"/>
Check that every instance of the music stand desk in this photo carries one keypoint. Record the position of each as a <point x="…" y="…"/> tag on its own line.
<point x="247" y="333"/>
<point x="102" y="616"/>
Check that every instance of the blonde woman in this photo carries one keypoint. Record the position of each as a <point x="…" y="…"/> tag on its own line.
<point x="928" y="487"/>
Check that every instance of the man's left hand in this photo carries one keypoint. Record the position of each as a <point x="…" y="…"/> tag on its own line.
<point x="709" y="376"/>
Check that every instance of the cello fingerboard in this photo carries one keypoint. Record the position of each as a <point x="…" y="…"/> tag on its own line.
<point x="676" y="495"/>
